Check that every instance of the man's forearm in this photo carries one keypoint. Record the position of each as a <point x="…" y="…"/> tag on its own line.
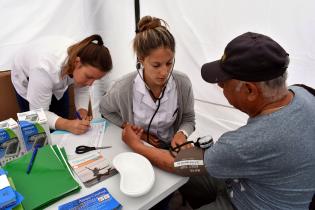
<point x="158" y="157"/>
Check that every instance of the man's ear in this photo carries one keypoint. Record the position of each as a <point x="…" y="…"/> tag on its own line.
<point x="252" y="91"/>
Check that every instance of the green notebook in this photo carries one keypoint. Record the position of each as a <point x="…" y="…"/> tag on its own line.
<point x="49" y="180"/>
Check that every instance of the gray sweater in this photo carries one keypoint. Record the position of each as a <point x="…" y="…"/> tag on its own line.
<point x="116" y="105"/>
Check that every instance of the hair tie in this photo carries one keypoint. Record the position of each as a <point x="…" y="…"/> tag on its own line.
<point x="98" y="41"/>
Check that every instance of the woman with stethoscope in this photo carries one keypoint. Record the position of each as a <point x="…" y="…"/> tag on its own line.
<point x="155" y="98"/>
<point x="43" y="70"/>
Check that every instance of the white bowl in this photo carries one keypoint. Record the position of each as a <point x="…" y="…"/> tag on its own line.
<point x="136" y="173"/>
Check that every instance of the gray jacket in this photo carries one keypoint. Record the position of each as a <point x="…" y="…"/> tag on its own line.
<point x="116" y="105"/>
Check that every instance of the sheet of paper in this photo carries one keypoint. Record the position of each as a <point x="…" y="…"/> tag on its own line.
<point x="92" y="168"/>
<point x="70" y="141"/>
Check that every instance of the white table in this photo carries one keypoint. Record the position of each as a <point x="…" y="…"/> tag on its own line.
<point x="165" y="183"/>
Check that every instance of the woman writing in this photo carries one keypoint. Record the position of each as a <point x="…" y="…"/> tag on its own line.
<point x="44" y="69"/>
<point x="154" y="97"/>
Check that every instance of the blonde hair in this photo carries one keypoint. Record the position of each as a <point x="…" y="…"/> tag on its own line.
<point x="91" y="51"/>
<point x="152" y="33"/>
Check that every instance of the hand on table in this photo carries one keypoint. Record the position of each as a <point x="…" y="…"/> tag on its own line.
<point x="131" y="135"/>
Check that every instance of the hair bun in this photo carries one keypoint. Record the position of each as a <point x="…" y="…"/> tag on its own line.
<point x="97" y="39"/>
<point x="148" y="22"/>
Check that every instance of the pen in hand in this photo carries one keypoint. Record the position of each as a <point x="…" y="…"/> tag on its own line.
<point x="77" y="115"/>
<point x="29" y="167"/>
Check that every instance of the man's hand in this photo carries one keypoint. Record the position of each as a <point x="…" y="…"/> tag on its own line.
<point x="158" y="157"/>
<point x="178" y="139"/>
<point x="131" y="135"/>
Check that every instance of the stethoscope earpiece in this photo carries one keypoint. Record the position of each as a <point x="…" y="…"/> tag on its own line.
<point x="138" y="65"/>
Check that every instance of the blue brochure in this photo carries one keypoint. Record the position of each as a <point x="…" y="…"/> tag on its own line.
<point x="99" y="200"/>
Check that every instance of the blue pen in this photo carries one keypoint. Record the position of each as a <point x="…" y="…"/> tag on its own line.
<point x="29" y="167"/>
<point x="77" y="115"/>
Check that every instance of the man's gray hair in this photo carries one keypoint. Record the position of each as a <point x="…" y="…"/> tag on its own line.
<point x="274" y="89"/>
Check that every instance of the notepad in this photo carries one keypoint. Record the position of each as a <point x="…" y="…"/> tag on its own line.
<point x="50" y="179"/>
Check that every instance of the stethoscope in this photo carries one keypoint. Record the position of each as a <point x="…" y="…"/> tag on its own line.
<point x="138" y="67"/>
<point x="202" y="142"/>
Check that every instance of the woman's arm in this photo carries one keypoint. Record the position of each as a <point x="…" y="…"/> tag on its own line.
<point x="81" y="100"/>
<point x="39" y="95"/>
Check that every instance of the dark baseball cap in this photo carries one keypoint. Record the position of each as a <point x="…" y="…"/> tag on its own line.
<point x="249" y="57"/>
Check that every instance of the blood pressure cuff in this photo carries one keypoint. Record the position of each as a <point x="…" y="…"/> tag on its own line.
<point x="189" y="162"/>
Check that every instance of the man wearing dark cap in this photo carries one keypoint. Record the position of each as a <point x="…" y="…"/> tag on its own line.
<point x="270" y="162"/>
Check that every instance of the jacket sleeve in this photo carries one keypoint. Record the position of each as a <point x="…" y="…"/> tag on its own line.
<point x="188" y="119"/>
<point x="39" y="94"/>
<point x="109" y="106"/>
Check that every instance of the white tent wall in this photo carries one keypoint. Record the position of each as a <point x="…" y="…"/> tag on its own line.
<point x="23" y="21"/>
<point x="202" y="28"/>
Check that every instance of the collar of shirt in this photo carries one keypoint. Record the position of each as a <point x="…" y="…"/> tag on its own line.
<point x="141" y="88"/>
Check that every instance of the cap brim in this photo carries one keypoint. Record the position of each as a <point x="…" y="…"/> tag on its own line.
<point x="213" y="73"/>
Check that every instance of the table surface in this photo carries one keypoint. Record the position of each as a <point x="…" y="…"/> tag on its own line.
<point x="165" y="183"/>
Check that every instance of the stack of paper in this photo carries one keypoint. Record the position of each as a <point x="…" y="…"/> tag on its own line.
<point x="49" y="180"/>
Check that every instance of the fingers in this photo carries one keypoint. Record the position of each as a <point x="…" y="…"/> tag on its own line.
<point x="83" y="113"/>
<point x="173" y="144"/>
<point x="130" y="137"/>
<point x="128" y="130"/>
<point x="80" y="126"/>
<point x="88" y="118"/>
<point x="187" y="146"/>
<point x="179" y="140"/>
<point x="138" y="130"/>
<point x="154" y="141"/>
